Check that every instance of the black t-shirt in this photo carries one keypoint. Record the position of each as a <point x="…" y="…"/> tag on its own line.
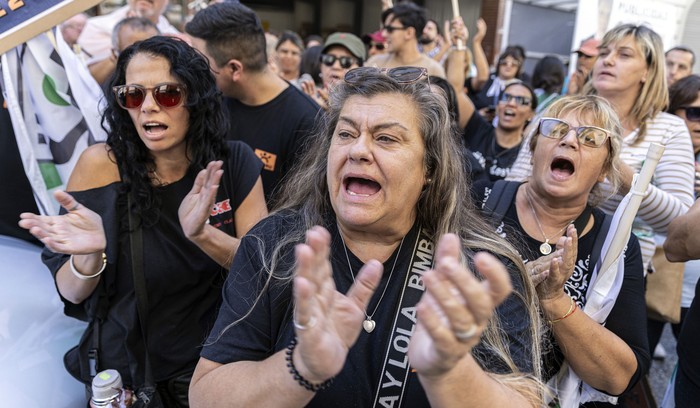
<point x="19" y="197"/>
<point x="276" y="131"/>
<point x="183" y="283"/>
<point x="627" y="319"/>
<point x="480" y="138"/>
<point x="688" y="351"/>
<point x="268" y="328"/>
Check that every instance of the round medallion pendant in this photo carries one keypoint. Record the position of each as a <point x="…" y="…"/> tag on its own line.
<point x="546" y="249"/>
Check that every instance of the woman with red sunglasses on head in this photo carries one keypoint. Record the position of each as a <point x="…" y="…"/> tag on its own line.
<point x="341" y="52"/>
<point x="167" y="172"/>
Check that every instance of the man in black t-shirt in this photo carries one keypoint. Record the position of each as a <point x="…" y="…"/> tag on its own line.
<point x="497" y="148"/>
<point x="14" y="182"/>
<point x="266" y="112"/>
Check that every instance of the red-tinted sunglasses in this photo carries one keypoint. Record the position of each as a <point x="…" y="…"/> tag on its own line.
<point x="166" y="95"/>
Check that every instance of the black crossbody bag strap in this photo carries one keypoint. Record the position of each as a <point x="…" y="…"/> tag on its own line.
<point x="136" y="244"/>
<point x="396" y="368"/>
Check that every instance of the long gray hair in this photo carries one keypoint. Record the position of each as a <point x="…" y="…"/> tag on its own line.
<point x="444" y="206"/>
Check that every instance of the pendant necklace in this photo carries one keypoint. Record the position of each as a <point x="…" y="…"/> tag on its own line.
<point x="545" y="248"/>
<point x="370" y="324"/>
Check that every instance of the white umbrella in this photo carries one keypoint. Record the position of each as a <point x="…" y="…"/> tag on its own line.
<point x="607" y="279"/>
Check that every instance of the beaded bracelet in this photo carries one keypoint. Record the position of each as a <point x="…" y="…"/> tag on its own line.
<point x="299" y="379"/>
<point x="572" y="308"/>
<point x="86" y="277"/>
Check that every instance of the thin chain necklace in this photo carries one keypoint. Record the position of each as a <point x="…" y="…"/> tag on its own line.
<point x="370" y="324"/>
<point x="545" y="248"/>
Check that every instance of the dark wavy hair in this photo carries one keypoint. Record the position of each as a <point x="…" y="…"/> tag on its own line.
<point x="409" y="15"/>
<point x="206" y="133"/>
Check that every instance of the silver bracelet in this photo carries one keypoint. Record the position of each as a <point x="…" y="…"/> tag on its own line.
<point x="86" y="277"/>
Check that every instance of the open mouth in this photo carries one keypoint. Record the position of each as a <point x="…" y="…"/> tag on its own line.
<point x="509" y="113"/>
<point x="154" y="128"/>
<point x="562" y="167"/>
<point x="361" y="187"/>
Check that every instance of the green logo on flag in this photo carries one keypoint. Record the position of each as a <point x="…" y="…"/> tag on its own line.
<point x="49" y="87"/>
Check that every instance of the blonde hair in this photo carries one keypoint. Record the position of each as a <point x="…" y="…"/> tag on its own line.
<point x="597" y="112"/>
<point x="653" y="96"/>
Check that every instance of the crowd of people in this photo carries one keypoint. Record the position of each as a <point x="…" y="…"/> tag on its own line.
<point x="371" y="220"/>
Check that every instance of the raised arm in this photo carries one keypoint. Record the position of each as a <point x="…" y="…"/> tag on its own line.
<point x="456" y="68"/>
<point x="480" y="60"/>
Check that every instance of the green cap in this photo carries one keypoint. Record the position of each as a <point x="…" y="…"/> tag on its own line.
<point x="349" y="41"/>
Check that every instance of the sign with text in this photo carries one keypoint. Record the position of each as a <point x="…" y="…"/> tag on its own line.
<point x="662" y="17"/>
<point x="21" y="20"/>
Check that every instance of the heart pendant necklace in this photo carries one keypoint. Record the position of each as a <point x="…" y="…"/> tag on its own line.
<point x="369" y="324"/>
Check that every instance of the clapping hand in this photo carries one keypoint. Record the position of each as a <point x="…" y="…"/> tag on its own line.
<point x="561" y="267"/>
<point x="455" y="308"/>
<point x="79" y="231"/>
<point x="327" y="323"/>
<point x="195" y="209"/>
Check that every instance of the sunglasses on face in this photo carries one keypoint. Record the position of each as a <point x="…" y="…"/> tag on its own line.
<point x="166" y="95"/>
<point x="329" y="59"/>
<point x="378" y="46"/>
<point x="510" y="63"/>
<point x="519" y="100"/>
<point x="692" y="113"/>
<point x="591" y="136"/>
<point x="402" y="75"/>
<point x="391" y="29"/>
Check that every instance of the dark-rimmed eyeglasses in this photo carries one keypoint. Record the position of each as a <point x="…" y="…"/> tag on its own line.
<point x="402" y="75"/>
<point x="519" y="100"/>
<point x="692" y="113"/>
<point x="591" y="136"/>
<point x="330" y="59"/>
<point x="166" y="95"/>
<point x="390" y="29"/>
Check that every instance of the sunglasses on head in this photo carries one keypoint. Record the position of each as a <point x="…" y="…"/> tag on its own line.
<point x="345" y="62"/>
<point x="519" y="100"/>
<point x="692" y="113"/>
<point x="166" y="95"/>
<point x="591" y="136"/>
<point x="402" y="75"/>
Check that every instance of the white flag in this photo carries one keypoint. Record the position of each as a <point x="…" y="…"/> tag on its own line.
<point x="55" y="107"/>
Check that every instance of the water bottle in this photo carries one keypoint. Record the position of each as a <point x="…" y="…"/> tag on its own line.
<point x="108" y="391"/>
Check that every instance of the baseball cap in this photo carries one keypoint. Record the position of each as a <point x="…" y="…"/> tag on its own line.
<point x="375" y="36"/>
<point x="589" y="47"/>
<point x="347" y="40"/>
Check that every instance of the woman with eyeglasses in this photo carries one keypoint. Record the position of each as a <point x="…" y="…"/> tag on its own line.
<point x="167" y="174"/>
<point x="629" y="73"/>
<point x="341" y="52"/>
<point x="553" y="220"/>
<point x="358" y="291"/>
<point x="485" y="93"/>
